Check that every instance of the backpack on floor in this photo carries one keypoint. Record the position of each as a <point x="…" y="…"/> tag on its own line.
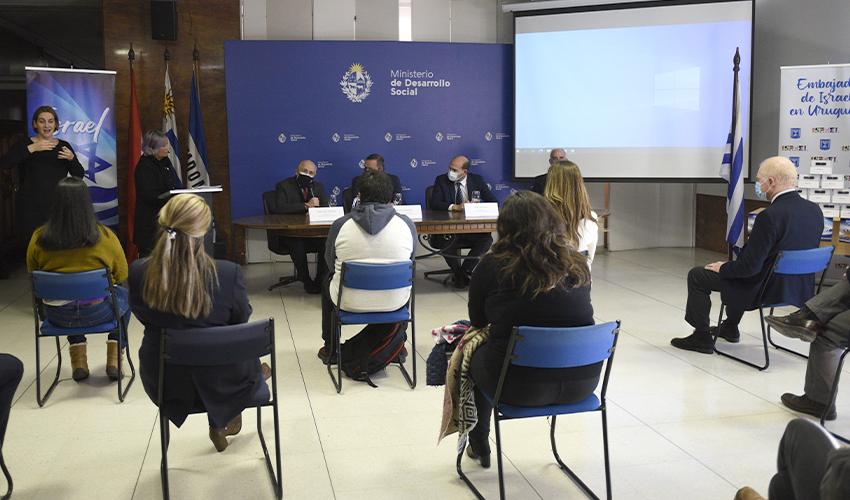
<point x="372" y="349"/>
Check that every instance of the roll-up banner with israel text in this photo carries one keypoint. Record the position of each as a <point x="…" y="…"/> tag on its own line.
<point x="814" y="117"/>
<point x="84" y="100"/>
<point x="418" y="104"/>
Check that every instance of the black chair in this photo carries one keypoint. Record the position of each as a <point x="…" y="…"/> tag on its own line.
<point x="788" y="262"/>
<point x="545" y="348"/>
<point x="222" y="345"/>
<point x="76" y="286"/>
<point x="275" y="241"/>
<point x="12" y="386"/>
<point x="347" y="199"/>
<point x="435" y="244"/>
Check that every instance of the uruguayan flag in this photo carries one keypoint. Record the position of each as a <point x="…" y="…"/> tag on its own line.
<point x="169" y="124"/>
<point x="196" y="166"/>
<point x="732" y="171"/>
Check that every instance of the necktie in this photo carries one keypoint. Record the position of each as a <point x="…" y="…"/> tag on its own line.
<point x="458" y="194"/>
<point x="306" y="194"/>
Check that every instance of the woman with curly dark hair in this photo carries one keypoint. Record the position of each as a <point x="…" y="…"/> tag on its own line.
<point x="531" y="276"/>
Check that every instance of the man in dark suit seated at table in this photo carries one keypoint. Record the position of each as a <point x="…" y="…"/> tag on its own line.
<point x="555" y="156"/>
<point x="451" y="191"/>
<point x="295" y="195"/>
<point x="789" y="223"/>
<point x="375" y="163"/>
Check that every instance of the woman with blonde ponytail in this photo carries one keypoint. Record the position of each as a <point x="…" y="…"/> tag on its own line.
<point x="565" y="190"/>
<point x="179" y="286"/>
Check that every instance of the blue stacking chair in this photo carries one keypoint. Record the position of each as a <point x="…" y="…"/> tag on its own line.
<point x="222" y="345"/>
<point x="538" y="347"/>
<point x="371" y="276"/>
<point x="788" y="262"/>
<point x="76" y="286"/>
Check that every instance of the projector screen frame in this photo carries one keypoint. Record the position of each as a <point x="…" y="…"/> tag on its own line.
<point x="639" y="5"/>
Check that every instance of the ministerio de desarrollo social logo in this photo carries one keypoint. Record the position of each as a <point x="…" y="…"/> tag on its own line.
<point x="356" y="84"/>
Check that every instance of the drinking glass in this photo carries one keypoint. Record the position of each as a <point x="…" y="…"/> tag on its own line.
<point x="476" y="197"/>
<point x="397" y="199"/>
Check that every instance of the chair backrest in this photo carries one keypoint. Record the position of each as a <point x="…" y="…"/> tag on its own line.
<point x="428" y="191"/>
<point x="373" y="276"/>
<point x="813" y="260"/>
<point x="268" y="201"/>
<point x="84" y="285"/>
<point x="347" y="199"/>
<point x="219" y="345"/>
<point x="540" y="347"/>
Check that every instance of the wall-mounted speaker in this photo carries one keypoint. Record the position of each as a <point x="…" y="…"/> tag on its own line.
<point x="164" y="19"/>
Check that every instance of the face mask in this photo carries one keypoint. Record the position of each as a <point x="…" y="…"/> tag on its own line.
<point x="453" y="176"/>
<point x="759" y="193"/>
<point x="304" y="179"/>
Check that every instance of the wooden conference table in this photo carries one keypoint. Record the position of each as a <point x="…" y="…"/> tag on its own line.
<point x="433" y="222"/>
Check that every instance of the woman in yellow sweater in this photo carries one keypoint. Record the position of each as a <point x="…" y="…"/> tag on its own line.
<point x="72" y="241"/>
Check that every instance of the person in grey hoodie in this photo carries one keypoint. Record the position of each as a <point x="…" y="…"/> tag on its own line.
<point x="371" y="232"/>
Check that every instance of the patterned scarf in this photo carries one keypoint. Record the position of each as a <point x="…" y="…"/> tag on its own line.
<point x="459" y="413"/>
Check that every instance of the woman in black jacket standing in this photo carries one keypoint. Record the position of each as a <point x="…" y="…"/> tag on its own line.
<point x="155" y="176"/>
<point x="42" y="161"/>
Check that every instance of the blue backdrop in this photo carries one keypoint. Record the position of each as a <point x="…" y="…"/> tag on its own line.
<point x="417" y="104"/>
<point x="84" y="101"/>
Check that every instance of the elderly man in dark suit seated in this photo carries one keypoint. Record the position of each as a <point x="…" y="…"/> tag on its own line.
<point x="295" y="195"/>
<point x="451" y="191"/>
<point x="789" y="223"/>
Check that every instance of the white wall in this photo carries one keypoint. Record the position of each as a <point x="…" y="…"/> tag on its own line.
<point x="642" y="215"/>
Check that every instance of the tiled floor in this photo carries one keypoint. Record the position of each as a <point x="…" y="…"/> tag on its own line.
<point x="683" y="425"/>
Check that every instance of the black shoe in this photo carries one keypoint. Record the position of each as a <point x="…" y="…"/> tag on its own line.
<point x="805" y="405"/>
<point x="483" y="458"/>
<point x="460" y="281"/>
<point x="697" y="342"/>
<point x="727" y="332"/>
<point x="327" y="357"/>
<point x="312" y="287"/>
<point x="802" y="324"/>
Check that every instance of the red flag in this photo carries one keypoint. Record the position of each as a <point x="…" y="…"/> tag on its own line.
<point x="134" y="152"/>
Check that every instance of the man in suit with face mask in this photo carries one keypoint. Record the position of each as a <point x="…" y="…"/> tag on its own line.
<point x="451" y="191"/>
<point x="295" y="195"/>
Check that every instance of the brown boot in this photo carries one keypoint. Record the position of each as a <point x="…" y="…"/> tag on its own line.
<point x="112" y="359"/>
<point x="747" y="493"/>
<point x="79" y="361"/>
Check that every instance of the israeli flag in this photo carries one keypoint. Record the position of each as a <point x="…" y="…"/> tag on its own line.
<point x="169" y="125"/>
<point x="732" y="170"/>
<point x="196" y="167"/>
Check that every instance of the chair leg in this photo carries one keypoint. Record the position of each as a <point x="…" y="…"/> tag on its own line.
<point x="777" y="346"/>
<point x="10" y="484"/>
<point x="410" y="381"/>
<point x="742" y="360"/>
<point x="499" y="469"/>
<point x="833" y="396"/>
<point x="38" y="396"/>
<point x="605" y="450"/>
<point x="465" y="479"/>
<point x="123" y="394"/>
<point x="569" y="472"/>
<point x="163" y="441"/>
<point x="336" y="332"/>
<point x="283" y="281"/>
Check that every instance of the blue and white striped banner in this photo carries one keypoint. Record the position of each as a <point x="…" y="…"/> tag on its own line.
<point x="732" y="171"/>
<point x="169" y="124"/>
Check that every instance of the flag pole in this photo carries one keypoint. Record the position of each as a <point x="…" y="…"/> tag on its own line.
<point x="736" y="66"/>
